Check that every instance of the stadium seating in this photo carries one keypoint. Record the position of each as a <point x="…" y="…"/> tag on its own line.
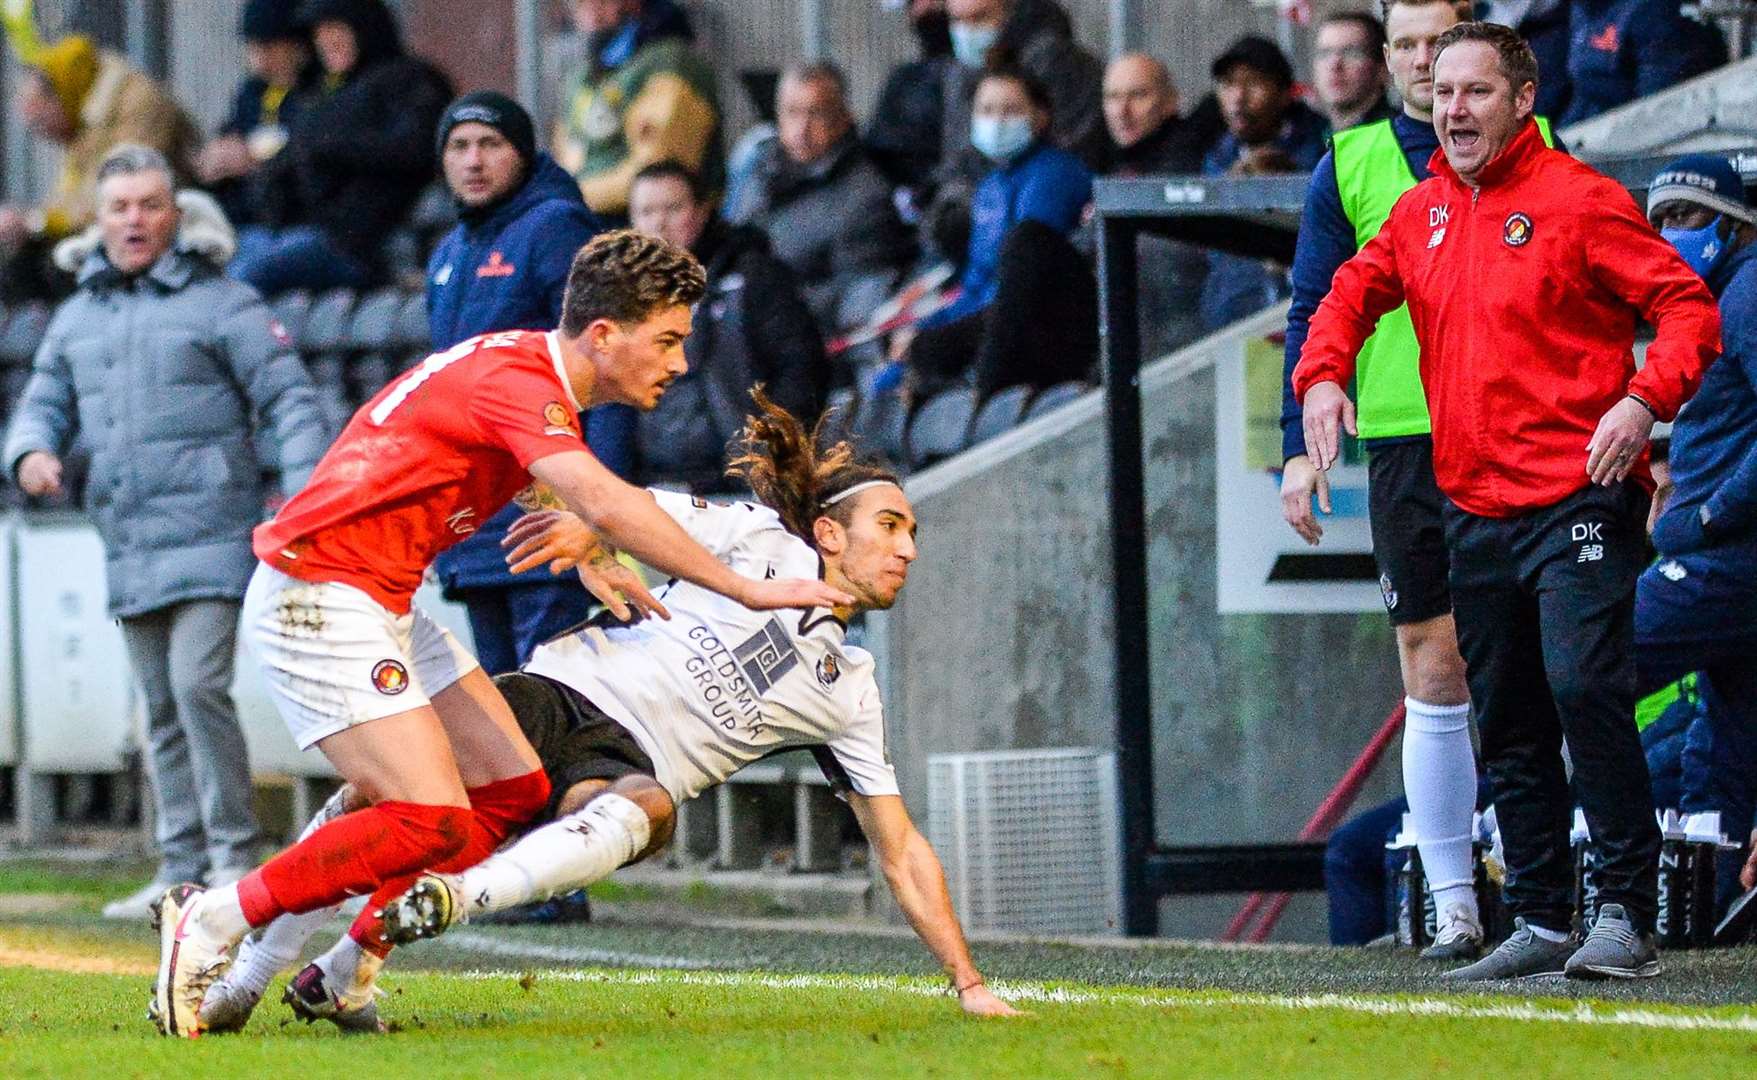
<point x="373" y="325"/>
<point x="328" y="323"/>
<point x="940" y="427"/>
<point x="999" y="413"/>
<point x="1054" y="398"/>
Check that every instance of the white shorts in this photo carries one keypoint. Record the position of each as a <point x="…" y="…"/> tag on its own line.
<point x="333" y="657"/>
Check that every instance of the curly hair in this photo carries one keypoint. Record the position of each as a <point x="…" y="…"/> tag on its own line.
<point x="628" y="276"/>
<point x="793" y="473"/>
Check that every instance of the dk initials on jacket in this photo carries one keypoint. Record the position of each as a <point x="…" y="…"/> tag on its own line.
<point x="496" y="267"/>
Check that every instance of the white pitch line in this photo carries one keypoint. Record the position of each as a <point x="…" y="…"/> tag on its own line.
<point x="493" y="946"/>
<point x="686" y="972"/>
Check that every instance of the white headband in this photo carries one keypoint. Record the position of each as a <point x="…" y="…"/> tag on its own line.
<point x="855" y="490"/>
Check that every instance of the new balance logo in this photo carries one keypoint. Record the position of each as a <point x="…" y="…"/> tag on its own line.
<point x="1591" y="553"/>
<point x="1439" y="235"/>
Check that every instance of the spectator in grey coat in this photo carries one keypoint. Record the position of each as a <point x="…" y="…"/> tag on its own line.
<point x="161" y="364"/>
<point x="825" y="207"/>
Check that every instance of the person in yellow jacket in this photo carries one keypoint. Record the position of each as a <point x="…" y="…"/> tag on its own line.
<point x="87" y="100"/>
<point x="643" y="95"/>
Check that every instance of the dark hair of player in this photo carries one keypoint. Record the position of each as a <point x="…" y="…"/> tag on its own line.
<point x="628" y="277"/>
<point x="793" y="473"/>
<point x="1518" y="63"/>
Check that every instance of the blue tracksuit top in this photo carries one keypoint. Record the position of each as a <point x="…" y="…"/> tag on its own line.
<point x="1620" y="50"/>
<point x="507" y="272"/>
<point x="1326" y="241"/>
<point x="1714" y="440"/>
<point x="1045" y="183"/>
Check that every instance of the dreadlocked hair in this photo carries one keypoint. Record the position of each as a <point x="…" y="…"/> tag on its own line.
<point x="793" y="473"/>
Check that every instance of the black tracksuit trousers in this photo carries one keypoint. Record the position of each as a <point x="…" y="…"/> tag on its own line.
<point x="1545" y="607"/>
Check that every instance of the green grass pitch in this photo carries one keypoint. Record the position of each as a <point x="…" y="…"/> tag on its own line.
<point x="742" y="1001"/>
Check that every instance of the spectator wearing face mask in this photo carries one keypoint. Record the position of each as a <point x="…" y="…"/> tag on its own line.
<point x="1027" y="313"/>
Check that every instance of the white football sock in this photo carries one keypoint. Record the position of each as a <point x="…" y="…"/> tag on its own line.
<point x="278" y="945"/>
<point x="350" y="971"/>
<point x="221" y="914"/>
<point x="1439" y="778"/>
<point x="566" y="854"/>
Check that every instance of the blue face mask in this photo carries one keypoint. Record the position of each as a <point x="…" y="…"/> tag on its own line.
<point x="1702" y="248"/>
<point x="970" y="44"/>
<point x="1000" y="139"/>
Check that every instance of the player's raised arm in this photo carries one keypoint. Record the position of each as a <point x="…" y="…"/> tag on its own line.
<point x="628" y="517"/>
<point x="919" y="883"/>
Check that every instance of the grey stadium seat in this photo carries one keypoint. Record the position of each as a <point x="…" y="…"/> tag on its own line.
<point x="1001" y="412"/>
<point x="326" y="327"/>
<point x="373" y="324"/>
<point x="1054" y="398"/>
<point x="22" y="334"/>
<point x="367" y="374"/>
<point x="411" y="331"/>
<point x="839" y="413"/>
<point x="878" y="426"/>
<point x="938" y="428"/>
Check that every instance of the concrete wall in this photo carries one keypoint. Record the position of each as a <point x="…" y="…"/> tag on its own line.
<point x="1003" y="638"/>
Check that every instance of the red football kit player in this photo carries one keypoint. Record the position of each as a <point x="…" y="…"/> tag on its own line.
<point x="395" y="703"/>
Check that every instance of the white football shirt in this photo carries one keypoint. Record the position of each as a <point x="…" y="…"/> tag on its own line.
<point x="718" y="686"/>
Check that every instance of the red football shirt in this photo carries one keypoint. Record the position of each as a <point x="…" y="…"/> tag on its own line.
<point x="431" y="457"/>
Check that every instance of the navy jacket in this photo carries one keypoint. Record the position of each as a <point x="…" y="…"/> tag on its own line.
<point x="507" y="271"/>
<point x="1326" y="241"/>
<point x="1714" y="440"/>
<point x="1620" y="50"/>
<point x="1237" y="286"/>
<point x="1047" y="184"/>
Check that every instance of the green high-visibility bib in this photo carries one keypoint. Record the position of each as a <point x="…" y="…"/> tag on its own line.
<point x="1372" y="173"/>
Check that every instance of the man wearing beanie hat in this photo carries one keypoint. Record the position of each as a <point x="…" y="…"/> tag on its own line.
<point x="1696" y="608"/>
<point x="85" y="100"/>
<point x="283" y="78"/>
<point x="504" y="267"/>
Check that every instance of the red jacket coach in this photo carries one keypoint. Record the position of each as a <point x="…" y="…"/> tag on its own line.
<point x="1525" y="274"/>
<point x="1524" y="293"/>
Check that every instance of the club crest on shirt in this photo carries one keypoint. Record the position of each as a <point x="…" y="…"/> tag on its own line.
<point x="829" y="669"/>
<point x="390" y="677"/>
<point x="1517" y="231"/>
<point x="557" y="419"/>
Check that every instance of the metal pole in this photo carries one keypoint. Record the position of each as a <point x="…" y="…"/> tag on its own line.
<point x="1125" y="26"/>
<point x="143" y="35"/>
<point x="1120" y="347"/>
<point x="814" y="29"/>
<point x="528" y="32"/>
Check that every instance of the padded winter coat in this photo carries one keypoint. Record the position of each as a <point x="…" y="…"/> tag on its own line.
<point x="165" y="375"/>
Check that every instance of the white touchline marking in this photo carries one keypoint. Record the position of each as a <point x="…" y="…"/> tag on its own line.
<point x="493" y="946"/>
<point x="685" y="972"/>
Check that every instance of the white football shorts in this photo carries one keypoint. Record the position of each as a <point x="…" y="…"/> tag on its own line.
<point x="333" y="657"/>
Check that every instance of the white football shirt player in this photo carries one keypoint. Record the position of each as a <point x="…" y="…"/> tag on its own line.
<point x="718" y="686"/>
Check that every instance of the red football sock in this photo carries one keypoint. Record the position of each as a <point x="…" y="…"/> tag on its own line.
<point x="353" y="854"/>
<point x="496" y="811"/>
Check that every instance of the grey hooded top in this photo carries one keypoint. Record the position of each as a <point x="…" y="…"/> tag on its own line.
<point x="164" y="376"/>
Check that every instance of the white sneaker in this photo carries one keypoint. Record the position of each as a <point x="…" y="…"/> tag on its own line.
<point x="226" y="1008"/>
<point x="1457" y="937"/>
<point x="137" y="906"/>
<point x="191" y="958"/>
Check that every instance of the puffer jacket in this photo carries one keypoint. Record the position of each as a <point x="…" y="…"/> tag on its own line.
<point x="162" y="373"/>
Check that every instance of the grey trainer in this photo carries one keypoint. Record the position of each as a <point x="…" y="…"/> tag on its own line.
<point x="1614" y="949"/>
<point x="1524" y="955"/>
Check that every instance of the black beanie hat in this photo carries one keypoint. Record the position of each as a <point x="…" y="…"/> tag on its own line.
<point x="270" y="20"/>
<point x="499" y="112"/>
